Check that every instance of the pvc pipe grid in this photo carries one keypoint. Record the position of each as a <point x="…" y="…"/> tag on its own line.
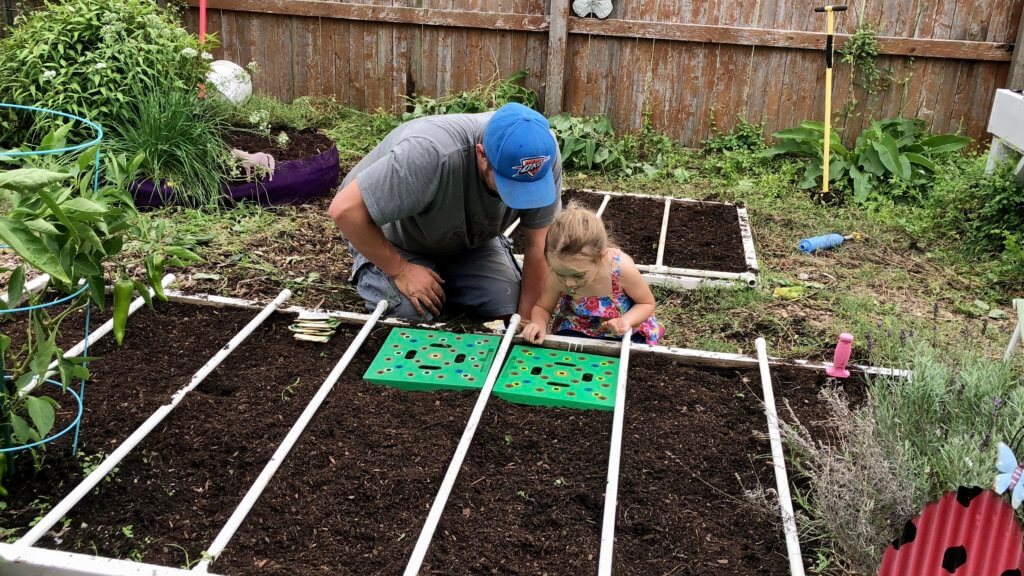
<point x="23" y="559"/>
<point x="689" y="278"/>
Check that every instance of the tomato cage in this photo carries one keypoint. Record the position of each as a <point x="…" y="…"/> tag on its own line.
<point x="35" y="398"/>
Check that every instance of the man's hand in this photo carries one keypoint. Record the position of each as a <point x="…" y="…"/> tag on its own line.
<point x="534" y="333"/>
<point x="422" y="286"/>
<point x="616" y="326"/>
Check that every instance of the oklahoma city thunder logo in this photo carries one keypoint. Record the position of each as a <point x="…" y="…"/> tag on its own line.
<point x="530" y="166"/>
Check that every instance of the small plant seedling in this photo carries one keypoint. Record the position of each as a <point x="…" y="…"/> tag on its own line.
<point x="508" y="440"/>
<point x="522" y="494"/>
<point x="289" y="390"/>
<point x="559" y="482"/>
<point x="128" y="531"/>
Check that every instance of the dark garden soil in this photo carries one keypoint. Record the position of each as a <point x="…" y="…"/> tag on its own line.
<point x="634" y="224"/>
<point x="353" y="496"/>
<point x="694" y="441"/>
<point x="178" y="487"/>
<point x="162" y="349"/>
<point x="354" y="493"/>
<point x="529" y="497"/>
<point x="301" y="143"/>
<point x="704" y="236"/>
<point x="587" y="200"/>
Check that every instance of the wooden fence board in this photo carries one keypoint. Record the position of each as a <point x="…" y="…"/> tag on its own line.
<point x="680" y="60"/>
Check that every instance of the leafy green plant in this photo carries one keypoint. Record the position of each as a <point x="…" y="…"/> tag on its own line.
<point x="861" y="51"/>
<point x="890" y="151"/>
<point x="60" y="225"/>
<point x="489" y="96"/>
<point x="78" y="56"/>
<point x="745" y="136"/>
<point x="179" y="137"/>
<point x="587" y="143"/>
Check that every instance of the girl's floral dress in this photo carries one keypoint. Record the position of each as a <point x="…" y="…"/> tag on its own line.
<point x="586" y="313"/>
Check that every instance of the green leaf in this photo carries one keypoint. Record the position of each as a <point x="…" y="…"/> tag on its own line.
<point x="22" y="431"/>
<point x="945" y="143"/>
<point x="861" y="184"/>
<point x="996" y="314"/>
<point x="42" y="414"/>
<point x="870" y="161"/>
<point x="920" y="161"/>
<point x="28" y="179"/>
<point x="80" y="204"/>
<point x="32" y="249"/>
<point x="186" y="255"/>
<point x="888" y="154"/>
<point x="905" y="170"/>
<point x="42" y="226"/>
<point x="16" y="287"/>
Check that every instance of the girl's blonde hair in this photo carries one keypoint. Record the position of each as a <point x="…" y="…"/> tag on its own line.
<point x="576" y="231"/>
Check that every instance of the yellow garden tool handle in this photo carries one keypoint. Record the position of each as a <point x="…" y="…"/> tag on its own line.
<point x="826" y="151"/>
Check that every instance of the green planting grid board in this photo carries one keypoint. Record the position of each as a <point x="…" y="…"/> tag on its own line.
<point x="414" y="359"/>
<point x="544" y="377"/>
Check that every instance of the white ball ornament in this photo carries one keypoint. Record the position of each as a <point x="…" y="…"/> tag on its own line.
<point x="231" y="80"/>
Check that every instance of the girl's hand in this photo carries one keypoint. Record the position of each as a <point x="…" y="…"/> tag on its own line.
<point x="534" y="333"/>
<point x="616" y="326"/>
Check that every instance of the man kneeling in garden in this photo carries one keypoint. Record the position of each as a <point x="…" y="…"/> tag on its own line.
<point x="424" y="213"/>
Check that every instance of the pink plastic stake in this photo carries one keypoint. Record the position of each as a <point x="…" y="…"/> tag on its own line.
<point x="202" y="21"/>
<point x="838" y="369"/>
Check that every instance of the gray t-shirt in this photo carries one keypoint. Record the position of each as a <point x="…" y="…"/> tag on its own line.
<point x="422" y="187"/>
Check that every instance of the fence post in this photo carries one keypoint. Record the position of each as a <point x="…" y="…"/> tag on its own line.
<point x="1015" y="81"/>
<point x="554" y="77"/>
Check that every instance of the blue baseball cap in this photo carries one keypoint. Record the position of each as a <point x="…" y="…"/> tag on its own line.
<point x="521" y="150"/>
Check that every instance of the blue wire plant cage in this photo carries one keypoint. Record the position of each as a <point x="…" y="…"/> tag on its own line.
<point x="68" y="421"/>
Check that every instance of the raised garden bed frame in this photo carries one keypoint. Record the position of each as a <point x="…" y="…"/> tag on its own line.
<point x="24" y="559"/>
<point x="685" y="278"/>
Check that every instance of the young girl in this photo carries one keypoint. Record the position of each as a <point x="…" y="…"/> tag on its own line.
<point x="593" y="289"/>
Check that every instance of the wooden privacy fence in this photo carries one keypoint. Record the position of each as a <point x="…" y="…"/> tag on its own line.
<point x="687" y="65"/>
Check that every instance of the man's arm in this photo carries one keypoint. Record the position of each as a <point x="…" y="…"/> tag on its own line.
<point x="535" y="270"/>
<point x="420" y="284"/>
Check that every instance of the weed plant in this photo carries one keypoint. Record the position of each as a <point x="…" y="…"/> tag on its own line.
<point x="180" y="140"/>
<point x="913" y="440"/>
<point x="489" y="96"/>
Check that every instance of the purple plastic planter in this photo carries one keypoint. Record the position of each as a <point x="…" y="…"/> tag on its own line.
<point x="295" y="182"/>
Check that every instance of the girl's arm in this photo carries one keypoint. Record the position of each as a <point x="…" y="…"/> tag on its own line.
<point x="540" y="316"/>
<point x="634" y="285"/>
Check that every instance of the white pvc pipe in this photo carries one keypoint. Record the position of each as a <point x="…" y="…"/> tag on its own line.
<point x="747" y="237"/>
<point x="19" y="561"/>
<point x="512" y="228"/>
<point x="664" y="232"/>
<point x="748" y="277"/>
<point x="604" y="204"/>
<point x="256" y="490"/>
<point x="1018" y="303"/>
<point x="796" y="563"/>
<point x="689" y="282"/>
<point x="437" y="508"/>
<point x="611" y="492"/>
<point x="92" y="480"/>
<point x="1014" y="339"/>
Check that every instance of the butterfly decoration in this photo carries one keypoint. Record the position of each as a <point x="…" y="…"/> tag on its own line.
<point x="599" y="8"/>
<point x="1009" y="476"/>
